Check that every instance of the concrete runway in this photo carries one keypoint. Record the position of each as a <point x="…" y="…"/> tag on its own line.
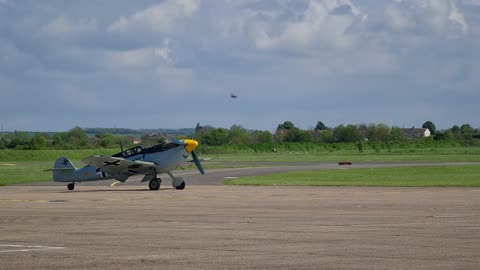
<point x="221" y="227"/>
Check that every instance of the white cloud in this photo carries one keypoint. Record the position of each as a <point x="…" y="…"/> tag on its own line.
<point x="398" y="19"/>
<point x="137" y="59"/>
<point x="439" y="15"/>
<point x="152" y="70"/>
<point x="345" y="4"/>
<point x="304" y="53"/>
<point x="64" y="26"/>
<point x="457" y="17"/>
<point x="436" y="14"/>
<point x="131" y="59"/>
<point x="164" y="52"/>
<point x="319" y="27"/>
<point x="158" y="18"/>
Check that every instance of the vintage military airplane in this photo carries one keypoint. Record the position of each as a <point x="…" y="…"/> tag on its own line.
<point x="149" y="161"/>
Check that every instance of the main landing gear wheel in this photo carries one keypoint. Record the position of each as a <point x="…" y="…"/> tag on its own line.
<point x="181" y="186"/>
<point x="154" y="184"/>
<point x="71" y="186"/>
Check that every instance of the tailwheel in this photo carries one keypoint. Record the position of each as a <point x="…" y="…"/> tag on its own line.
<point x="154" y="184"/>
<point x="181" y="186"/>
<point x="71" y="186"/>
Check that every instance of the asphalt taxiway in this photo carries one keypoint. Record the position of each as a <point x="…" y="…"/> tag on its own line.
<point x="216" y="176"/>
<point x="44" y="226"/>
<point x="224" y="227"/>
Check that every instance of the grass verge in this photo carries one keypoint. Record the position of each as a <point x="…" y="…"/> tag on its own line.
<point x="418" y="176"/>
<point x="51" y="155"/>
<point x="336" y="157"/>
<point x="432" y="155"/>
<point x="24" y="172"/>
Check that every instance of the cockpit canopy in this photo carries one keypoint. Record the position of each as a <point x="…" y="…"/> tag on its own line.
<point x="141" y="150"/>
<point x="137" y="150"/>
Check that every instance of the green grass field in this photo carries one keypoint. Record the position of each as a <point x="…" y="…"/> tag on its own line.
<point x="24" y="172"/>
<point x="448" y="154"/>
<point x="50" y="155"/>
<point x="348" y="156"/>
<point x="419" y="176"/>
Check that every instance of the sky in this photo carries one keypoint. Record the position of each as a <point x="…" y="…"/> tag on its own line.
<point x="173" y="63"/>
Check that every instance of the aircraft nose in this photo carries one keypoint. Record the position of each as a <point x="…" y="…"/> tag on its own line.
<point x="190" y="145"/>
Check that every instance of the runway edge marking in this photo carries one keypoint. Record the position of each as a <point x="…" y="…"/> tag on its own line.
<point x="25" y="248"/>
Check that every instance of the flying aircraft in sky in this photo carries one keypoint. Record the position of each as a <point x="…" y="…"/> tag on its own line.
<point x="233" y="95"/>
<point x="139" y="160"/>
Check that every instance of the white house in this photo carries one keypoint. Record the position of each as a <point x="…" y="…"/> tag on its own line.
<point x="413" y="133"/>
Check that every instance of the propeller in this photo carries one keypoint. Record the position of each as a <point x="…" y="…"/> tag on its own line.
<point x="194" y="156"/>
<point x="195" y="130"/>
<point x="197" y="163"/>
<point x="172" y="139"/>
<point x="179" y="142"/>
<point x="190" y="145"/>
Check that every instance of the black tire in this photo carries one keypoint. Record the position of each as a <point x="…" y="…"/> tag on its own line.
<point x="71" y="186"/>
<point x="181" y="186"/>
<point x="154" y="184"/>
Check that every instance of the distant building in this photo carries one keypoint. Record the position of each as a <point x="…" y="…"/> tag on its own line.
<point x="93" y="140"/>
<point x="415" y="133"/>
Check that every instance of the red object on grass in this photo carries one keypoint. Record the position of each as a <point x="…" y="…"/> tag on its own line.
<point x="345" y="163"/>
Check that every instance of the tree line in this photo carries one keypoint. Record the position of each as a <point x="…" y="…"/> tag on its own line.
<point x="286" y="132"/>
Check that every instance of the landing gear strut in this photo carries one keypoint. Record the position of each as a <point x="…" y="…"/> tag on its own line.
<point x="154" y="184"/>
<point x="71" y="186"/>
<point x="177" y="182"/>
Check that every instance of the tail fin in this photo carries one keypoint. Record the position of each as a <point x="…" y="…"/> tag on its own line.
<point x="63" y="170"/>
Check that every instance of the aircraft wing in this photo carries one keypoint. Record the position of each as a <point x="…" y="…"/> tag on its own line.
<point x="118" y="166"/>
